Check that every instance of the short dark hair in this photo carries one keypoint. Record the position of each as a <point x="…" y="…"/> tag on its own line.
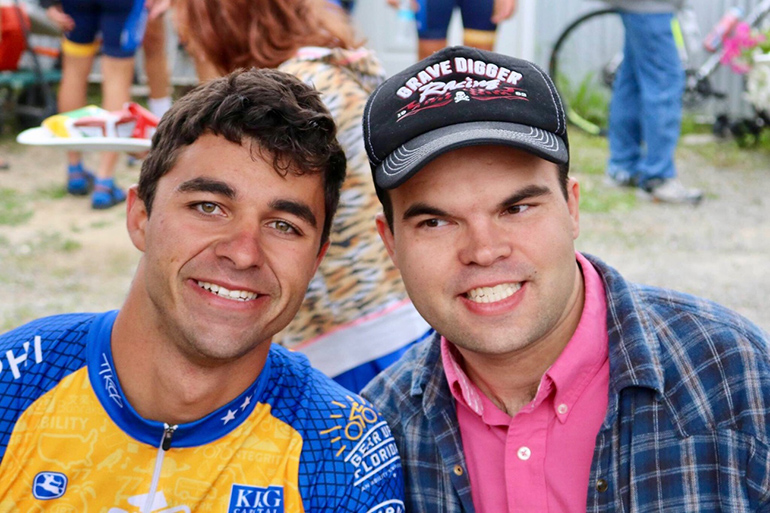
<point x="283" y="118"/>
<point x="387" y="205"/>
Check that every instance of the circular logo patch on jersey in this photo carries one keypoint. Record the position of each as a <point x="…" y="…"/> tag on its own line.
<point x="49" y="485"/>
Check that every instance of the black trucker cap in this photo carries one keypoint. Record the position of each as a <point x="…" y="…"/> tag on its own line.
<point x="458" y="97"/>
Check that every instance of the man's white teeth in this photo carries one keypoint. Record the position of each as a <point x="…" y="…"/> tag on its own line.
<point x="238" y="295"/>
<point x="492" y="294"/>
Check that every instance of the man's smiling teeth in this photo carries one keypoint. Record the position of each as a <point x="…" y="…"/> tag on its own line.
<point x="238" y="295"/>
<point x="492" y="294"/>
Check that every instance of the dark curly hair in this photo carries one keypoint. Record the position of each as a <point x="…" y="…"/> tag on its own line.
<point x="283" y="118"/>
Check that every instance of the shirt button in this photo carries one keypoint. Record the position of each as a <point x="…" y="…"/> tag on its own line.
<point x="562" y="409"/>
<point x="524" y="453"/>
<point x="458" y="470"/>
<point x="601" y="485"/>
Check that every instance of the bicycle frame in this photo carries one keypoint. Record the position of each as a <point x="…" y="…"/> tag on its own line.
<point x="705" y="70"/>
<point x="686" y="31"/>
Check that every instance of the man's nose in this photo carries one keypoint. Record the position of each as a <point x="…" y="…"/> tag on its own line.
<point x="242" y="246"/>
<point x="485" y="243"/>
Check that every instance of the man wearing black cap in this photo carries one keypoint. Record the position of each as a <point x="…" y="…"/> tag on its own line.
<point x="551" y="384"/>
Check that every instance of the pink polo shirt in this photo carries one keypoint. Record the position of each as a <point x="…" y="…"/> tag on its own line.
<point x="540" y="459"/>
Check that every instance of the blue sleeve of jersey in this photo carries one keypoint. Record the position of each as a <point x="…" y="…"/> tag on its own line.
<point x="361" y="462"/>
<point x="349" y="458"/>
<point x="33" y="359"/>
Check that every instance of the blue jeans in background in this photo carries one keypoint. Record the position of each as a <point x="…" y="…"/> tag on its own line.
<point x="646" y="106"/>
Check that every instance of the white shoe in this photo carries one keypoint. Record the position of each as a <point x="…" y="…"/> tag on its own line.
<point x="619" y="182"/>
<point x="670" y="191"/>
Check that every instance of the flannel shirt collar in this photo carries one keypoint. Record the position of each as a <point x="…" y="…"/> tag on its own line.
<point x="428" y="379"/>
<point x="634" y="346"/>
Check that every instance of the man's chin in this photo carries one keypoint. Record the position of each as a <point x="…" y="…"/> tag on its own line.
<point x="222" y="345"/>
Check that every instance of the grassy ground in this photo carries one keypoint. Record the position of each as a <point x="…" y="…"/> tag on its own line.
<point x="589" y="157"/>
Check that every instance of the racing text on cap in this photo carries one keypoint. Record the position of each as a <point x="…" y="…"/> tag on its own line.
<point x="423" y="81"/>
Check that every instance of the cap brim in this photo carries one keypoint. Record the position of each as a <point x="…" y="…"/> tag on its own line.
<point x="407" y="159"/>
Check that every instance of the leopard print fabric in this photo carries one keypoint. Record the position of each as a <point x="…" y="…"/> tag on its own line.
<point x="356" y="277"/>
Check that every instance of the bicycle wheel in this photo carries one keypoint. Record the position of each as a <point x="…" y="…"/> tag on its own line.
<point x="583" y="65"/>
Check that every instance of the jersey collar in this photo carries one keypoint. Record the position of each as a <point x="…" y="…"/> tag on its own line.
<point x="105" y="384"/>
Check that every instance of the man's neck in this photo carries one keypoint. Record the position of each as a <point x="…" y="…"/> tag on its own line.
<point x="511" y="381"/>
<point x="165" y="385"/>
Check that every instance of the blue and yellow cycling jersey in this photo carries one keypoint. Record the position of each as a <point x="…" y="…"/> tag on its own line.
<point x="294" y="441"/>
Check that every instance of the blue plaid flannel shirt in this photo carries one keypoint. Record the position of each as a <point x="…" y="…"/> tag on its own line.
<point x="687" y="426"/>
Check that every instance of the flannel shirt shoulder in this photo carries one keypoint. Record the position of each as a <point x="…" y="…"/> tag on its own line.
<point x="716" y="364"/>
<point x="710" y="365"/>
<point x="689" y="389"/>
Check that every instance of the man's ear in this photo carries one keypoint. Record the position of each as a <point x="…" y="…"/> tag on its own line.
<point x="321" y="253"/>
<point x="387" y="236"/>
<point x="573" y="204"/>
<point x="136" y="218"/>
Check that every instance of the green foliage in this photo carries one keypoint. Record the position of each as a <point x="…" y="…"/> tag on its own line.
<point x="692" y="124"/>
<point x="597" y="198"/>
<point x="14" y="208"/>
<point x="54" y="242"/>
<point x="53" y="191"/>
<point x="588" y="153"/>
<point x="589" y="101"/>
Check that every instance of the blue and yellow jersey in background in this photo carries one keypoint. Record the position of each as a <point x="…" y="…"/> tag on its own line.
<point x="294" y="441"/>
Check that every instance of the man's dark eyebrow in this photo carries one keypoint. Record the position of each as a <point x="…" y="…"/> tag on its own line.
<point x="201" y="184"/>
<point x="423" y="209"/>
<point x="530" y="191"/>
<point x="295" y="208"/>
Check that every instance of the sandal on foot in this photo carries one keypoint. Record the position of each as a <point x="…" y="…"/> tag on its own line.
<point x="106" y="194"/>
<point x="79" y="181"/>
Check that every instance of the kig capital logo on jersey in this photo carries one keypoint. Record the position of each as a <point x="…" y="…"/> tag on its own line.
<point x="483" y="81"/>
<point x="256" y="499"/>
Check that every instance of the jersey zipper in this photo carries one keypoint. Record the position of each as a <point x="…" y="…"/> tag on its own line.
<point x="165" y="444"/>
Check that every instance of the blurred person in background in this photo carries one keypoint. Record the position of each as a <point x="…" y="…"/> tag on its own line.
<point x="480" y="20"/>
<point x="156" y="61"/>
<point x="116" y="28"/>
<point x="356" y="318"/>
<point x="646" y="106"/>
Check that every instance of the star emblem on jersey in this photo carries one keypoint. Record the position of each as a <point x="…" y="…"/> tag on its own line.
<point x="246" y="402"/>
<point x="230" y="416"/>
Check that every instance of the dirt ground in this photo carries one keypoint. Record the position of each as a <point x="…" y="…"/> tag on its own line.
<point x="58" y="255"/>
<point x="718" y="250"/>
